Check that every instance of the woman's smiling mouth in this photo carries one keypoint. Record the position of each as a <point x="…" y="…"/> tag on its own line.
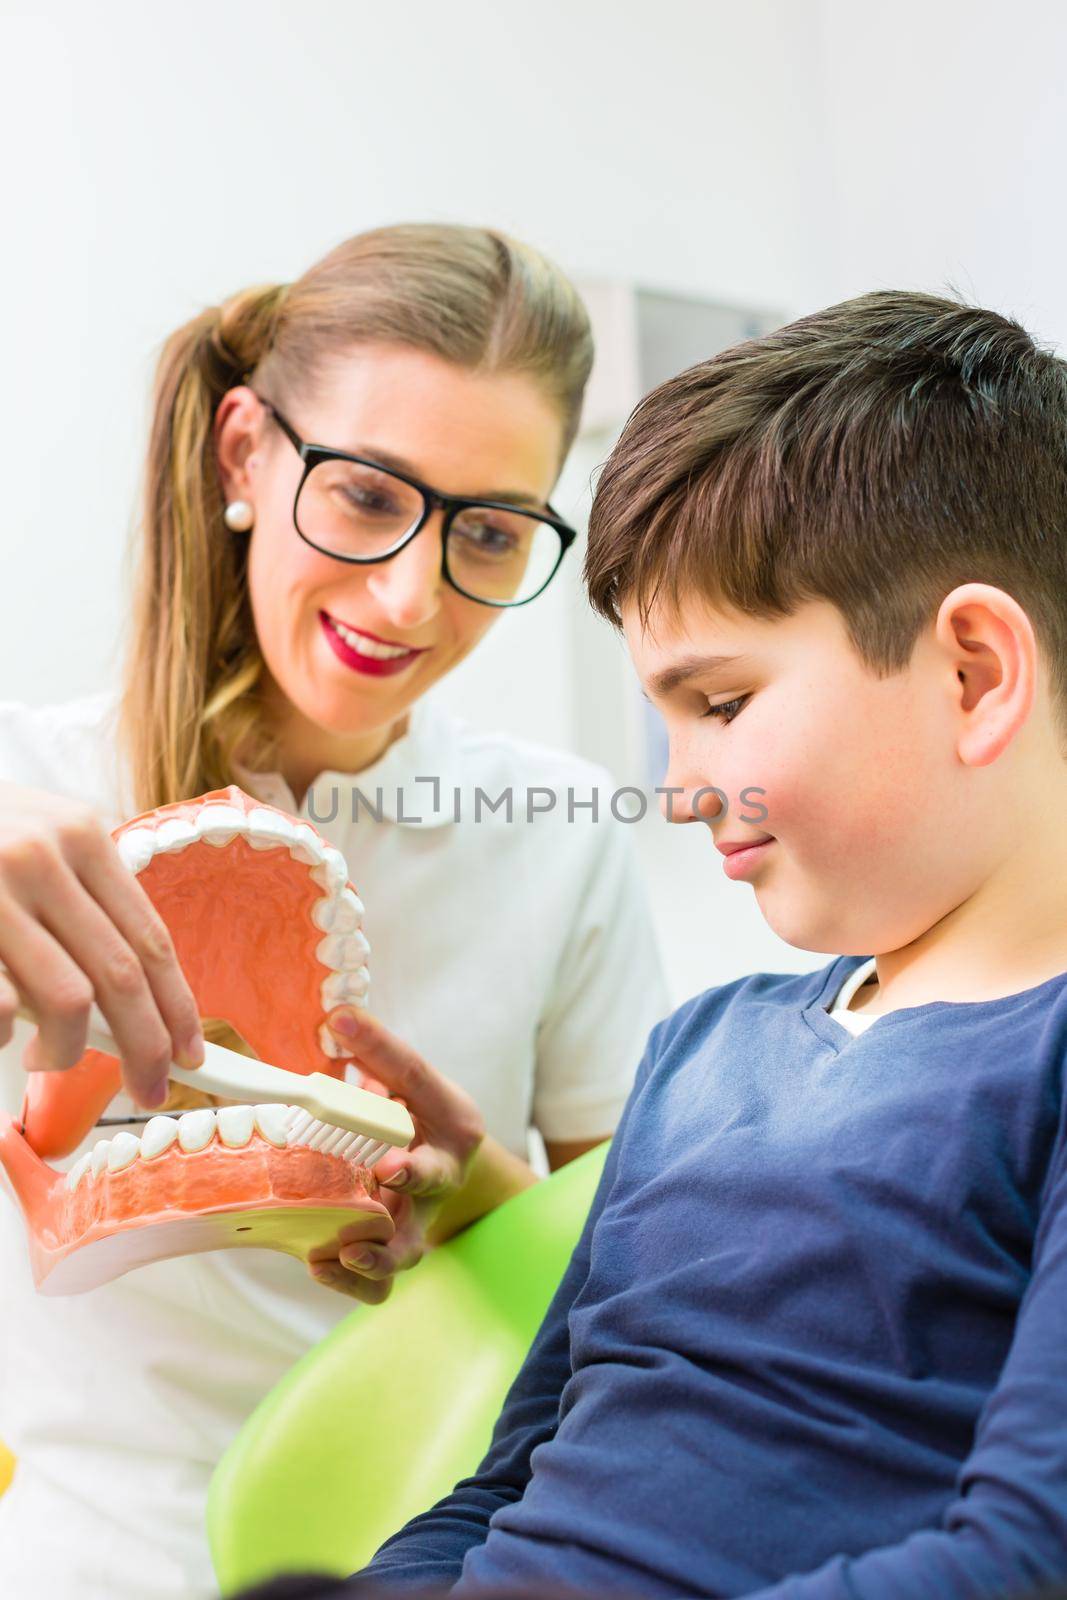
<point x="365" y="652"/>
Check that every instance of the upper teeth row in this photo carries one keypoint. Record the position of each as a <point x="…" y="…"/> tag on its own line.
<point x="192" y="1131"/>
<point x="369" y="647"/>
<point x="339" y="913"/>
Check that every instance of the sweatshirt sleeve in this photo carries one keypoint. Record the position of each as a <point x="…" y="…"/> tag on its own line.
<point x="429" y="1551"/>
<point x="1005" y="1532"/>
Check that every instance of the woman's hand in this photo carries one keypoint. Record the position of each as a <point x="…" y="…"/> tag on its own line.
<point x="415" y="1183"/>
<point x="76" y="925"/>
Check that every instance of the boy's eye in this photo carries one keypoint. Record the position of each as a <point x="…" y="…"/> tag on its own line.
<point x="727" y="710"/>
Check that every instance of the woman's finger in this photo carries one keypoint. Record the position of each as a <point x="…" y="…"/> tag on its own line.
<point x="116" y="890"/>
<point x="442" y="1110"/>
<point x="384" y="1261"/>
<point x="367" y="1291"/>
<point x="48" y="980"/>
<point x="375" y="1086"/>
<point x="51" y="887"/>
<point x="423" y="1171"/>
<point x="9" y="1003"/>
<point x="385" y="1057"/>
<point x="374" y="1228"/>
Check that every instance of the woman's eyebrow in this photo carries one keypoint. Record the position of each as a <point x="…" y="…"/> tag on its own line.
<point x="386" y="458"/>
<point x="692" y="666"/>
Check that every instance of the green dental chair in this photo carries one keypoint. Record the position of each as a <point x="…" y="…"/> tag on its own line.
<point x="383" y="1417"/>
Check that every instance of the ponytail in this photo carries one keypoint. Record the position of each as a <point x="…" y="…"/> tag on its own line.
<point x="194" y="666"/>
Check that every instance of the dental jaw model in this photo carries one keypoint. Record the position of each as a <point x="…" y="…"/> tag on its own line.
<point x="268" y="932"/>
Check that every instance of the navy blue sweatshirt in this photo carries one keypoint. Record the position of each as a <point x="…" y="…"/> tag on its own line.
<point x="813" y="1342"/>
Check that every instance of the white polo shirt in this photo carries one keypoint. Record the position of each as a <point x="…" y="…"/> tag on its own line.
<point x="516" y="955"/>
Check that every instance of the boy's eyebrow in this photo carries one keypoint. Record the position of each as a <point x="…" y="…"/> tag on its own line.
<point x="695" y="666"/>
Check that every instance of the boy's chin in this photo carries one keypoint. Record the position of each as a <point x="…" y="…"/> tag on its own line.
<point x="808" y="927"/>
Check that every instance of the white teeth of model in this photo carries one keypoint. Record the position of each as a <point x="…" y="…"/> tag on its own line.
<point x="332" y="873"/>
<point x="175" y="833"/>
<point x="341" y="951"/>
<point x="98" y="1156"/>
<point x="307" y="846"/>
<point x="218" y="824"/>
<point x="331" y="1046"/>
<point x="196" y="1129"/>
<point x="268" y="829"/>
<point x="136" y="847"/>
<point x="345" y="988"/>
<point x="158" y="1136"/>
<point x="272" y="1124"/>
<point x="78" y="1171"/>
<point x="235" y="1125"/>
<point x="341" y="913"/>
<point x="125" y="1148"/>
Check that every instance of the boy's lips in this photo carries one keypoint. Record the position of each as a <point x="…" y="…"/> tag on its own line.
<point x="742" y="854"/>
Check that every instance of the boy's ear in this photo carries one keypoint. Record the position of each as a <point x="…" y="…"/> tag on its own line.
<point x="991" y="644"/>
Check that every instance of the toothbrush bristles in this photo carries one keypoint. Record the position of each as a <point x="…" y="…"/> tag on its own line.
<point x="299" y="1123"/>
<point x="309" y="1131"/>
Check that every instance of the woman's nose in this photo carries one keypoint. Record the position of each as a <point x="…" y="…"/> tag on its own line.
<point x="408" y="587"/>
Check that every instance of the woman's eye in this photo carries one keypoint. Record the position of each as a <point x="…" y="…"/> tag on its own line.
<point x="370" y="500"/>
<point x="484" y="537"/>
<point x="727" y="710"/>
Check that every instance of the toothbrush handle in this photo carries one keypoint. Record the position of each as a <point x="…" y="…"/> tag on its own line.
<point x="237" y="1077"/>
<point x="224" y="1072"/>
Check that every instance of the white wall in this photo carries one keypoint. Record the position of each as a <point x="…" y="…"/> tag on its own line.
<point x="946" y="148"/>
<point x="779" y="153"/>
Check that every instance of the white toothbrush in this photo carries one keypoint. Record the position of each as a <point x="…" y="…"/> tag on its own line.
<point x="324" y="1113"/>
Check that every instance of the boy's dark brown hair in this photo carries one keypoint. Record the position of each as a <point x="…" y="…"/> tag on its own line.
<point x="875" y="454"/>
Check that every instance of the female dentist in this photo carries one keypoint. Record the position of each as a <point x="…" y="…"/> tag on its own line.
<point x="347" y="484"/>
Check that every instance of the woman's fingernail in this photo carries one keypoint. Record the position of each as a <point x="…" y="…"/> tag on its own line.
<point x="156" y="1095"/>
<point x="346" y="1022"/>
<point x="365" y="1259"/>
<point x="191" y="1054"/>
<point x="398" y="1180"/>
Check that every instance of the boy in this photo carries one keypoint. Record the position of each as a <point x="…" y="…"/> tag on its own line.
<point x="813" y="1342"/>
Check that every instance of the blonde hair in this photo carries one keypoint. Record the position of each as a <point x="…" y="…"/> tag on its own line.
<point x="194" y="673"/>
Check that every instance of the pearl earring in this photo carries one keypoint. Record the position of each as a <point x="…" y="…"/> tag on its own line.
<point x="239" y="516"/>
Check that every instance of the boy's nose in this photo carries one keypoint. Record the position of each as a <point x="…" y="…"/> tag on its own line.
<point x="689" y="798"/>
<point x="408" y="587"/>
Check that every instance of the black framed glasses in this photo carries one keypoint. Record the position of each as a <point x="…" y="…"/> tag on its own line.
<point x="357" y="510"/>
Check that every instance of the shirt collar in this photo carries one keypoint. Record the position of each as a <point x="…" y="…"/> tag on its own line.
<point x="411" y="784"/>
